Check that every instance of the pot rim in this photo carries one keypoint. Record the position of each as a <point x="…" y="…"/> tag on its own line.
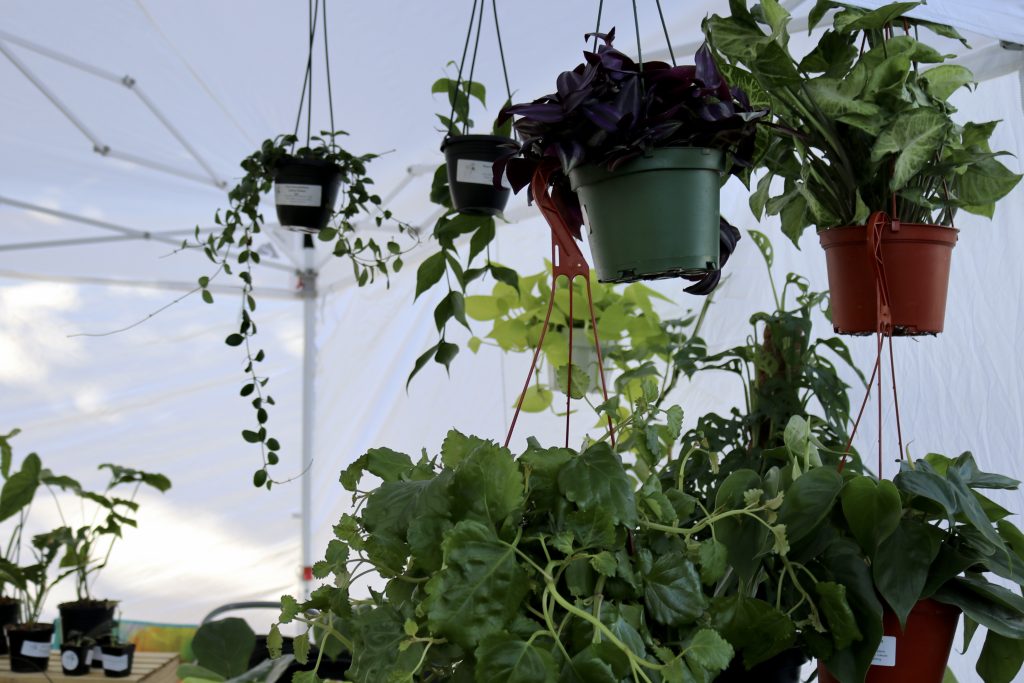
<point x="674" y="158"/>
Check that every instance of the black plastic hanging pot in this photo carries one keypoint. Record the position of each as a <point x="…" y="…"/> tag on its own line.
<point x="653" y="217"/>
<point x="470" y="160"/>
<point x="10" y="609"/>
<point x="30" y="647"/>
<point x="305" y="191"/>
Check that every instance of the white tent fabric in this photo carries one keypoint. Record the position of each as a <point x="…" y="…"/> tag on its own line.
<point x="164" y="395"/>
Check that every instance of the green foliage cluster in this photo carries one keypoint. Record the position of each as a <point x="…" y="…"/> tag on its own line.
<point x="80" y="550"/>
<point x="863" y="117"/>
<point x="630" y="330"/>
<point x="233" y="247"/>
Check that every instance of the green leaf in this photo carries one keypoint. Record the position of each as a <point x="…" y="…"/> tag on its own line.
<point x="872" y="509"/>
<point x="593" y="528"/>
<point x="984" y="182"/>
<point x="914" y="137"/>
<point x="672" y="590"/>
<point x="1000" y="659"/>
<point x="301" y="645"/>
<point x="708" y="649"/>
<point x="197" y="673"/>
<point x="945" y="79"/>
<point x="451" y="306"/>
<point x="376" y="655"/>
<point x="537" y="399"/>
<point x="385" y="463"/>
<point x="482" y="307"/>
<point x="289" y="609"/>
<point x="900" y="566"/>
<point x="991" y="606"/>
<point x="446" y="353"/>
<point x="224" y="646"/>
<point x="757" y="630"/>
<point x="491" y="483"/>
<point x="20" y="487"/>
<point x="429" y="272"/>
<point x="713" y="556"/>
<point x="479" y="589"/>
<point x="808" y="501"/>
<point x="842" y="623"/>
<point x="580" y="380"/>
<point x="861" y="21"/>
<point x="597" y="478"/>
<point x="503" y="659"/>
<point x="764" y="245"/>
<point x="423" y="359"/>
<point x="481" y="238"/>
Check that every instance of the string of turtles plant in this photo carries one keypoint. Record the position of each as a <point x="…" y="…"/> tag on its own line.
<point x="233" y="247"/>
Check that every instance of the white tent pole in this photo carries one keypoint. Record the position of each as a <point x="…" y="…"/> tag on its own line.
<point x="309" y="295"/>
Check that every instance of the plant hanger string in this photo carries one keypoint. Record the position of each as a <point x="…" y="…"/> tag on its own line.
<point x="636" y="31"/>
<point x="878" y="222"/>
<point x="306" y="96"/>
<point x="478" y="20"/>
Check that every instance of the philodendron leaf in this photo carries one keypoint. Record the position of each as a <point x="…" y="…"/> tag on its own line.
<point x="479" y="589"/>
<point x="672" y="589"/>
<point x="808" y="501"/>
<point x="992" y="606"/>
<point x="872" y="510"/>
<point x="902" y="563"/>
<point x="597" y="478"/>
<point x="20" y="487"/>
<point x="914" y="138"/>
<point x="1000" y="659"/>
<point x="224" y="646"/>
<point x="927" y="484"/>
<point x="503" y="659"/>
<point x="842" y="624"/>
<point x="984" y="182"/>
<point x="946" y="79"/>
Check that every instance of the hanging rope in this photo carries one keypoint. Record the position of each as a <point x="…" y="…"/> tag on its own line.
<point x="307" y="81"/>
<point x="327" y="65"/>
<point x="664" y="29"/>
<point x="462" y="63"/>
<point x="597" y="27"/>
<point x="501" y="50"/>
<point x="472" y="67"/>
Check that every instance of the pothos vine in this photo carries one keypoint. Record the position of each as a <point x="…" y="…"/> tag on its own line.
<point x="233" y="247"/>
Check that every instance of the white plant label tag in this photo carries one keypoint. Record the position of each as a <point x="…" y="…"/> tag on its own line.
<point x="30" y="648"/>
<point x="477" y="173"/>
<point x="95" y="654"/>
<point x="115" y="662"/>
<point x="287" y="194"/>
<point x="69" y="660"/>
<point x="886" y="653"/>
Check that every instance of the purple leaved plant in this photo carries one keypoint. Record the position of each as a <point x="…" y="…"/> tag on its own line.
<point x="610" y="109"/>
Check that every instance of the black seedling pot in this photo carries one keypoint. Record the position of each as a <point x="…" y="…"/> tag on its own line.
<point x="782" y="668"/>
<point x="9" y="613"/>
<point x="93" y="619"/>
<point x="470" y="160"/>
<point x="75" y="660"/>
<point x="117" y="660"/>
<point x="30" y="647"/>
<point x="305" y="191"/>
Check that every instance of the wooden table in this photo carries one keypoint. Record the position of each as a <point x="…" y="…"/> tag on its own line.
<point x="150" y="667"/>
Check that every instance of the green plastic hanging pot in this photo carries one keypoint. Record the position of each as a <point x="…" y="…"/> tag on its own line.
<point x="653" y="217"/>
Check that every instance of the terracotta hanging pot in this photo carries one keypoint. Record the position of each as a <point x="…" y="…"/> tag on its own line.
<point x="919" y="653"/>
<point x="915" y="261"/>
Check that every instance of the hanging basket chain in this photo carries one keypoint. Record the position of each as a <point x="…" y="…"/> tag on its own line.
<point x="501" y="49"/>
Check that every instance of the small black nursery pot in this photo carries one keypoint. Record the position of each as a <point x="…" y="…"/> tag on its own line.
<point x="117" y="660"/>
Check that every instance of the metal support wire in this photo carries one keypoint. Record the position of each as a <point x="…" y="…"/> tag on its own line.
<point x="98" y="145"/>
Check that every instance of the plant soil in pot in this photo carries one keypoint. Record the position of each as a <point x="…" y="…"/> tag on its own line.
<point x="91" y="618"/>
<point x="782" y="668"/>
<point x="305" y="191"/>
<point x="919" y="653"/>
<point x="30" y="647"/>
<point x="916" y="261"/>
<point x="75" y="660"/>
<point x="653" y="217"/>
<point x="470" y="161"/>
<point x="117" y="660"/>
<point x="10" y="608"/>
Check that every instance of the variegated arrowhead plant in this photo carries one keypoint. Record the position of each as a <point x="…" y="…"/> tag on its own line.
<point x="865" y="115"/>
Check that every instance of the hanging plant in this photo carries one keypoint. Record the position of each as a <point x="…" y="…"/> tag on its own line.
<point x="307" y="182"/>
<point x="467" y="194"/>
<point x="613" y="118"/>
<point x="866" y="127"/>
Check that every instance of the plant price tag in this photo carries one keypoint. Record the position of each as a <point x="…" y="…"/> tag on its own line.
<point x="477" y="173"/>
<point x="95" y="654"/>
<point x="115" y="662"/>
<point x="287" y="194"/>
<point x="886" y="653"/>
<point x="30" y="648"/>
